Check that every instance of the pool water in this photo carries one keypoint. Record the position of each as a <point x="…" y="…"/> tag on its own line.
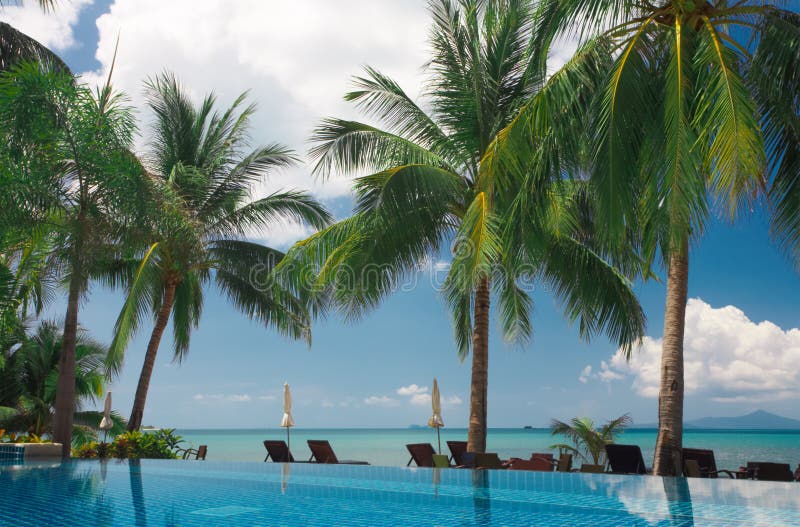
<point x="197" y="493"/>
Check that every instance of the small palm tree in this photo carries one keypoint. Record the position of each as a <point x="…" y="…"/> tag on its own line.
<point x="428" y="186"/>
<point x="199" y="158"/>
<point x="676" y="124"/>
<point x="30" y="374"/>
<point x="588" y="442"/>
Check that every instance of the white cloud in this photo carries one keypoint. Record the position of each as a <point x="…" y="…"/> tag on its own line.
<point x="296" y="58"/>
<point x="585" y="374"/>
<point x="380" y="400"/>
<point x="727" y="357"/>
<point x="419" y="396"/>
<point x="267" y="397"/>
<point x="53" y="29"/>
<point x="412" y="389"/>
<point x="453" y="400"/>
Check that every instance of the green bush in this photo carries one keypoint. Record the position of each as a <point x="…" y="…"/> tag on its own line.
<point x="9" y="437"/>
<point x="161" y="444"/>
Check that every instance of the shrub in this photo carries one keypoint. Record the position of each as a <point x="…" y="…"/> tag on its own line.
<point x="161" y="444"/>
<point x="10" y="437"/>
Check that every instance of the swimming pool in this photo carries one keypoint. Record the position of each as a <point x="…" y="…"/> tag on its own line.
<point x="179" y="493"/>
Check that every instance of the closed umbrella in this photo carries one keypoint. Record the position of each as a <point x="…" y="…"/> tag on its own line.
<point x="106" y="423"/>
<point x="436" y="419"/>
<point x="287" y="422"/>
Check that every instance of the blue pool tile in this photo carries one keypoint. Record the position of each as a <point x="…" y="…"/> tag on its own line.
<point x="187" y="494"/>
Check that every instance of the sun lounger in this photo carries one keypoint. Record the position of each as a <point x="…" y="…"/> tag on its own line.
<point x="770" y="471"/>
<point x="278" y="451"/>
<point x="537" y="463"/>
<point x="625" y="459"/>
<point x="321" y="452"/>
<point x="488" y="461"/>
<point x="457" y="451"/>
<point x="706" y="465"/>
<point x="441" y="461"/>
<point x="198" y="454"/>
<point x="592" y="469"/>
<point x="421" y="454"/>
<point x="564" y="463"/>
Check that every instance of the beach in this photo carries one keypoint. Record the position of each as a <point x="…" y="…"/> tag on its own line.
<point x="732" y="448"/>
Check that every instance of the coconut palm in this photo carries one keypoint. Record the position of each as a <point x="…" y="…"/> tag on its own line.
<point x="16" y="47"/>
<point x="776" y="73"/>
<point x="201" y="161"/>
<point x="588" y="441"/>
<point x="72" y="146"/>
<point x="30" y="375"/>
<point x="677" y="115"/>
<point x="428" y="186"/>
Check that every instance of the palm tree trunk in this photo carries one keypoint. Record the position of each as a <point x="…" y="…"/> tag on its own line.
<point x="65" y="388"/>
<point x="476" y="437"/>
<point x="668" y="455"/>
<point x="137" y="413"/>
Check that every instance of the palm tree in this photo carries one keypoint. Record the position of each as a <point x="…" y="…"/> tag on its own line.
<point x="16" y="47"/>
<point x="588" y="441"/>
<point x="73" y="147"/>
<point x="775" y="74"/>
<point x="30" y="375"/>
<point x="199" y="158"/>
<point x="428" y="185"/>
<point x="676" y="115"/>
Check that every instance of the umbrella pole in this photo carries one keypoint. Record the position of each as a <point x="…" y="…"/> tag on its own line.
<point x="287" y="438"/>
<point x="439" y="438"/>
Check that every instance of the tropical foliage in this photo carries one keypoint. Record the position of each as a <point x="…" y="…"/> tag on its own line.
<point x="28" y="379"/>
<point x="587" y="441"/>
<point x="428" y="187"/>
<point x="69" y="149"/>
<point x="17" y="47"/>
<point x="670" y="111"/>
<point x="161" y="444"/>
<point x="206" y="174"/>
<point x="678" y="123"/>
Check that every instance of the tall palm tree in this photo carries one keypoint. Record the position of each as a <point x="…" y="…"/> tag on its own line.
<point x="73" y="147"/>
<point x="30" y="375"/>
<point x="776" y="73"/>
<point x="201" y="161"/>
<point x="676" y="115"/>
<point x="428" y="185"/>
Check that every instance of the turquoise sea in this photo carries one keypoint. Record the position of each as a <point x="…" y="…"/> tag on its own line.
<point x="732" y="448"/>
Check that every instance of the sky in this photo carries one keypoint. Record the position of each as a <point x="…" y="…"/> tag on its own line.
<point x="296" y="59"/>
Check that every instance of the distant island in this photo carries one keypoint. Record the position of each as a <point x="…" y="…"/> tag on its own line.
<point x="758" y="420"/>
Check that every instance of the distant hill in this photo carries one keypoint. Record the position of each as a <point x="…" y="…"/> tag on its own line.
<point x="758" y="420"/>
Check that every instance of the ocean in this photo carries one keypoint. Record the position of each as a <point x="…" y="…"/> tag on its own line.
<point x="732" y="448"/>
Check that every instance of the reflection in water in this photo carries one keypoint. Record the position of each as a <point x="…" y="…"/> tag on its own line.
<point x="437" y="479"/>
<point x="481" y="498"/>
<point x="137" y="492"/>
<point x="679" y="501"/>
<point x="284" y="477"/>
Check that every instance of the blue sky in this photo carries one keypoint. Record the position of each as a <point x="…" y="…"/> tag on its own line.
<point x="742" y="321"/>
